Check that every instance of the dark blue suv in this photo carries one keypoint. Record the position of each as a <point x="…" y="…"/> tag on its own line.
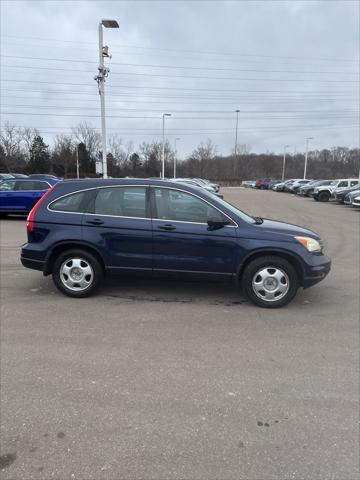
<point x="82" y="230"/>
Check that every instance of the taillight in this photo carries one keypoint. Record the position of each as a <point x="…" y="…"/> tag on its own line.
<point x="31" y="217"/>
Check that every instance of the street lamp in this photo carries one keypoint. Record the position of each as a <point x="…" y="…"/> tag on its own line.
<point x="175" y="151"/>
<point x="284" y="160"/>
<point x="163" y="144"/>
<point x="306" y="154"/>
<point x="236" y="139"/>
<point x="100" y="78"/>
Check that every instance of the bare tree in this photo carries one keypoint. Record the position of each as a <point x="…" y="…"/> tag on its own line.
<point x="27" y="135"/>
<point x="87" y="135"/>
<point x="10" y="138"/>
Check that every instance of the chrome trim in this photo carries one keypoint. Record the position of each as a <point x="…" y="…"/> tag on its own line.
<point x="139" y="218"/>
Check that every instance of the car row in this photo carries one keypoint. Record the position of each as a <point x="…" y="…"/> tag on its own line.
<point x="345" y="190"/>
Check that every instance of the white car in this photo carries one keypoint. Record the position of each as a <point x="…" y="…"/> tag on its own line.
<point x="323" y="193"/>
<point x="356" y="202"/>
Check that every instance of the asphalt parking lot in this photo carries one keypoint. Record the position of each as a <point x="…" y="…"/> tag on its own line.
<point x="164" y="380"/>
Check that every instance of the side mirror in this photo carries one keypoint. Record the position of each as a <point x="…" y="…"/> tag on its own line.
<point x="215" y="224"/>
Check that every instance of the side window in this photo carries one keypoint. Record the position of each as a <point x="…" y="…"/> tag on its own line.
<point x="354" y="182"/>
<point x="121" y="202"/>
<point x="41" y="186"/>
<point x="7" y="186"/>
<point x="184" y="207"/>
<point x="31" y="185"/>
<point x="75" y="203"/>
<point x="342" y="184"/>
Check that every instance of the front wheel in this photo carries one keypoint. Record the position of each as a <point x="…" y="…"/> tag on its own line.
<point x="270" y="282"/>
<point x="77" y="273"/>
<point x="324" y="196"/>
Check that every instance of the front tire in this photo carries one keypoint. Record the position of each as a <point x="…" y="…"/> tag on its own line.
<point x="270" y="281"/>
<point x="324" y="196"/>
<point x="77" y="273"/>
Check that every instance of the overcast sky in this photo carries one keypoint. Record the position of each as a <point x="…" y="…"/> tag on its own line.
<point x="291" y="68"/>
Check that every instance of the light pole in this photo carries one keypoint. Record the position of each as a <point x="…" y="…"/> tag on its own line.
<point x="284" y="160"/>
<point x="306" y="154"/>
<point x="175" y="151"/>
<point x="163" y="145"/>
<point x="236" y="140"/>
<point x="100" y="78"/>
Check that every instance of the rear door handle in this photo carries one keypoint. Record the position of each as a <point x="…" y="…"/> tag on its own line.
<point x="168" y="227"/>
<point x="95" y="221"/>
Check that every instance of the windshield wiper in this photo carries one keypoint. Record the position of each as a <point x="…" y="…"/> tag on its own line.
<point x="258" y="220"/>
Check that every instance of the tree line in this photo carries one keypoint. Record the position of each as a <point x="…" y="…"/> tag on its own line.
<point x="24" y="150"/>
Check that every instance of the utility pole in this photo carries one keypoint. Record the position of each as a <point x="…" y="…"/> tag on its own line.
<point x="100" y="78"/>
<point x="236" y="140"/>
<point x="163" y="145"/>
<point x="175" y="152"/>
<point x="306" y="155"/>
<point x="284" y="160"/>
<point x="77" y="161"/>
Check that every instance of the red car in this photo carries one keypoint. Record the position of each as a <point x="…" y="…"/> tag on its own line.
<point x="262" y="183"/>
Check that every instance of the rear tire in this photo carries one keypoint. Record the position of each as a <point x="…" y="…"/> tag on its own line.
<point x="270" y="281"/>
<point x="77" y="273"/>
<point x="324" y="196"/>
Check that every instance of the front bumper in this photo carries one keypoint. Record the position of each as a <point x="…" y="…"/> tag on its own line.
<point x="316" y="270"/>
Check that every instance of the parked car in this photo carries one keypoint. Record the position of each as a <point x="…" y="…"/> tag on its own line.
<point x="19" y="175"/>
<point x="203" y="181"/>
<point x="248" y="183"/>
<point x="44" y="175"/>
<point x="323" y="193"/>
<point x="294" y="188"/>
<point x="82" y="230"/>
<point x="4" y="176"/>
<point x="348" y="200"/>
<point x="308" y="189"/>
<point x="272" y="183"/>
<point x="19" y="195"/>
<point x="262" y="183"/>
<point x="356" y="201"/>
<point x="339" y="194"/>
<point x="193" y="182"/>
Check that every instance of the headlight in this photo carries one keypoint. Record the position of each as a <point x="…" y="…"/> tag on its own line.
<point x="310" y="244"/>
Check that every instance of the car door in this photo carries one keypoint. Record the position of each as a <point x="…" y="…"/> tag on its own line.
<point x="119" y="225"/>
<point x="6" y="194"/>
<point x="183" y="241"/>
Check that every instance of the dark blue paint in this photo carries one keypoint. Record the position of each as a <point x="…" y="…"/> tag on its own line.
<point x="134" y="244"/>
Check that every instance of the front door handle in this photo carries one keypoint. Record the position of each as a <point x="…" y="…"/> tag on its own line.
<point x="95" y="221"/>
<point x="168" y="227"/>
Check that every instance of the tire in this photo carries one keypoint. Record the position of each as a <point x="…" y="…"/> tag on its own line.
<point x="279" y="275"/>
<point x="324" y="196"/>
<point x="3" y="215"/>
<point x="77" y="273"/>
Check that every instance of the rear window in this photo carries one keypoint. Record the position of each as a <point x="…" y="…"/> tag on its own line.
<point x="74" y="203"/>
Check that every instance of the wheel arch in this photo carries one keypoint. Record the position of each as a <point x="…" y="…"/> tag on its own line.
<point x="70" y="245"/>
<point x="285" y="254"/>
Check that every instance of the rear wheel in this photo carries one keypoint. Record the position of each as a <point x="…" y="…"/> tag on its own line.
<point x="270" y="282"/>
<point x="77" y="273"/>
<point x="324" y="196"/>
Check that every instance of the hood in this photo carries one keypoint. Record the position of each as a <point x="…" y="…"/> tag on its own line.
<point x="275" y="226"/>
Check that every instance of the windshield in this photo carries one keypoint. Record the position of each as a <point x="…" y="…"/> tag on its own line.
<point x="244" y="216"/>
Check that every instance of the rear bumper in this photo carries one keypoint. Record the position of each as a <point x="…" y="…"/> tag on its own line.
<point x="31" y="263"/>
<point x="316" y="272"/>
